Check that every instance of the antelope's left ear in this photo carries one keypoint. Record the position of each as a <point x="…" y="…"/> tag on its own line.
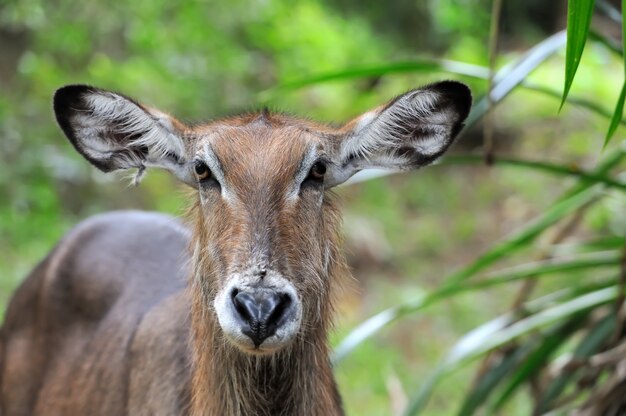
<point x="411" y="131"/>
<point x="115" y="132"/>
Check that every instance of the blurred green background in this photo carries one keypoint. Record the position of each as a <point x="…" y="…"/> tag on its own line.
<point x="204" y="59"/>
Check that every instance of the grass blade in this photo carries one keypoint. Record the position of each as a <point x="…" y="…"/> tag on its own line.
<point x="578" y="20"/>
<point x="587" y="347"/>
<point x="565" y="170"/>
<point x="602" y="243"/>
<point x="469" y="342"/>
<point x="419" y="65"/>
<point x="498" y="333"/>
<point x="492" y="377"/>
<point x="617" y="115"/>
<point x="374" y="324"/>
<point x="561" y="170"/>
<point x="513" y="75"/>
<point x="546" y="267"/>
<point x="619" y="107"/>
<point x="548" y="344"/>
<point x="505" y="80"/>
<point x="592" y="106"/>
<point x="527" y="234"/>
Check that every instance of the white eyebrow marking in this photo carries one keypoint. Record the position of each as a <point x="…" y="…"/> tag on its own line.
<point x="214" y="164"/>
<point x="303" y="170"/>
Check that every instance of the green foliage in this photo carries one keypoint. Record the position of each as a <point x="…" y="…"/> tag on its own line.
<point x="194" y="59"/>
<point x="523" y="359"/>
<point x="619" y="107"/>
<point x="578" y="20"/>
<point x="332" y="60"/>
<point x="579" y="13"/>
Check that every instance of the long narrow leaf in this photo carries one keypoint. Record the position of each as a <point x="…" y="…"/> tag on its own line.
<point x="578" y="20"/>
<point x="533" y="322"/>
<point x="469" y="342"/>
<point x="619" y="107"/>
<point x="587" y="347"/>
<point x="497" y="333"/>
<point x="527" y="234"/>
<point x="617" y="115"/>
<point x="505" y="80"/>
<point x="565" y="170"/>
<point x="492" y="377"/>
<point x="377" y="322"/>
<point x="609" y="162"/>
<point x="542" y="268"/>
<point x="418" y="65"/>
<point x="607" y="242"/>
<point x="513" y="75"/>
<point x="589" y="105"/>
<point x="374" y="324"/>
<point x="548" y="344"/>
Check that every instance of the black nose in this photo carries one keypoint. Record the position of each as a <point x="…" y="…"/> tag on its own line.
<point x="261" y="313"/>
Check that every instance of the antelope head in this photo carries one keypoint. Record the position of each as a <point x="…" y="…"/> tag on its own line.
<point x="265" y="230"/>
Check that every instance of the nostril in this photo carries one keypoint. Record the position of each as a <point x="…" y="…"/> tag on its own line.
<point x="245" y="305"/>
<point x="282" y="303"/>
<point x="261" y="313"/>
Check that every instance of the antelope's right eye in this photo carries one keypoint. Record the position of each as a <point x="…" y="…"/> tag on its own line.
<point x="202" y="171"/>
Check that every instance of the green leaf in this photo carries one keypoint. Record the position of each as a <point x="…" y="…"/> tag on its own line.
<point x="546" y="267"/>
<point x="492" y="377"/>
<point x="531" y="270"/>
<point x="527" y="234"/>
<point x="505" y="80"/>
<point x="617" y="115"/>
<point x="578" y="20"/>
<point x="499" y="332"/>
<point x="619" y="107"/>
<point x="508" y="78"/>
<point x="548" y="344"/>
<point x="606" y="242"/>
<point x="587" y="347"/>
<point x="513" y="75"/>
<point x="566" y="170"/>
<point x="592" y="106"/>
<point x="562" y="207"/>
<point x="418" y="65"/>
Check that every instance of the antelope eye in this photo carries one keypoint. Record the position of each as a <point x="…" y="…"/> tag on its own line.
<point x="318" y="170"/>
<point x="202" y="171"/>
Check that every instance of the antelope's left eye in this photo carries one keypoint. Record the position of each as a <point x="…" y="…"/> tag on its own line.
<point x="317" y="172"/>
<point x="202" y="171"/>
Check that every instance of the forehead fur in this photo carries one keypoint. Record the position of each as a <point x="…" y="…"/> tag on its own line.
<point x="259" y="148"/>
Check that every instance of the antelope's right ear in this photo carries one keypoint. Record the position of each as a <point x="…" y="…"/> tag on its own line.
<point x="409" y="132"/>
<point x="114" y="132"/>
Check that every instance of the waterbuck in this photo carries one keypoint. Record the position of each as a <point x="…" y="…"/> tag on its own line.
<point x="227" y="314"/>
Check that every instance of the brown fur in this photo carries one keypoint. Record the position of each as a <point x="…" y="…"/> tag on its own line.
<point x="296" y="380"/>
<point x="133" y="313"/>
<point x="100" y="351"/>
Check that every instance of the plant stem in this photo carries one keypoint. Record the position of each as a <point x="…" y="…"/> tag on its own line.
<point x="493" y="52"/>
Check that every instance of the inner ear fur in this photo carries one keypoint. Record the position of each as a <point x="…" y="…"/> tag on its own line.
<point x="410" y="131"/>
<point x="113" y="131"/>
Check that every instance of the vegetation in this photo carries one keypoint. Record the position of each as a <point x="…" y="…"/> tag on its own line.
<point x="490" y="288"/>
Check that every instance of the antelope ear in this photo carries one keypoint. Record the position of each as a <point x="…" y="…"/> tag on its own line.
<point x="410" y="131"/>
<point x="114" y="132"/>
